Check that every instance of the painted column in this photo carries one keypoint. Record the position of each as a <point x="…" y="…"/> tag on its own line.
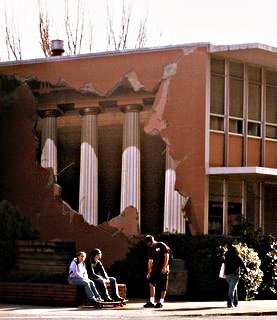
<point x="174" y="220"/>
<point x="49" y="139"/>
<point x="131" y="159"/>
<point x="88" y="190"/>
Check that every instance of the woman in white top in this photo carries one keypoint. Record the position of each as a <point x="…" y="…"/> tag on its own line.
<point x="78" y="276"/>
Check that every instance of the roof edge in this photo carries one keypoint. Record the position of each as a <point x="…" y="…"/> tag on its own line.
<point x="244" y="46"/>
<point x="105" y="53"/>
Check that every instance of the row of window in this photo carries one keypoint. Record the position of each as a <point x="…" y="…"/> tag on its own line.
<point x="230" y="202"/>
<point x="243" y="99"/>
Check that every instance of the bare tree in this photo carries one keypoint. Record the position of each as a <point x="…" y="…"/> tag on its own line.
<point x="142" y="33"/>
<point x="118" y="42"/>
<point x="90" y="35"/>
<point x="12" y="38"/>
<point x="118" y="38"/>
<point x="75" y="32"/>
<point x="44" y="29"/>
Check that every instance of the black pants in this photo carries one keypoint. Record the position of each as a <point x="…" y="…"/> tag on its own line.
<point x="102" y="288"/>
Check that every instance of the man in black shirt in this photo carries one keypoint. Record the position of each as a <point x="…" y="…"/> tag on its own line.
<point x="158" y="270"/>
<point x="98" y="274"/>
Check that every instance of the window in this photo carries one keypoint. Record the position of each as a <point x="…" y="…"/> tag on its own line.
<point x="217" y="111"/>
<point x="215" y="206"/>
<point x="252" y="203"/>
<point x="217" y="123"/>
<point x="270" y="208"/>
<point x="271" y="105"/>
<point x="236" y="98"/>
<point x="234" y="204"/>
<point x="217" y="94"/>
<point x="243" y="102"/>
<point x="254" y="101"/>
<point x="254" y="129"/>
<point x="239" y="196"/>
<point x="271" y="132"/>
<point x="233" y="209"/>
<point x="236" y="126"/>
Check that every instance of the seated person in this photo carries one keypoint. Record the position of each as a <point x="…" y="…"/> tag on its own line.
<point x="98" y="274"/>
<point x="78" y="276"/>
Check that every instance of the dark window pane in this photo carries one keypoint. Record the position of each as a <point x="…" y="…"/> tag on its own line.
<point x="236" y="98"/>
<point x="217" y="95"/>
<point x="254" y="102"/>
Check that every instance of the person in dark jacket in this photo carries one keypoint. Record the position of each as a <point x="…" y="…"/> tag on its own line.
<point x="233" y="266"/>
<point x="98" y="274"/>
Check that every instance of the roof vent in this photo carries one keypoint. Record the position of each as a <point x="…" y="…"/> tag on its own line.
<point x="57" y="47"/>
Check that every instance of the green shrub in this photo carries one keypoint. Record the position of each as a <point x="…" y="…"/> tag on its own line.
<point x="203" y="255"/>
<point x="266" y="247"/>
<point x="272" y="267"/>
<point x="13" y="227"/>
<point x="254" y="278"/>
<point x="132" y="271"/>
<point x="268" y="254"/>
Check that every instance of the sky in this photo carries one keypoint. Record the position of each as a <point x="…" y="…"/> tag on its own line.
<point x="170" y="22"/>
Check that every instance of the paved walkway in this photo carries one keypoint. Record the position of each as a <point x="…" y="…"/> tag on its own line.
<point x="134" y="311"/>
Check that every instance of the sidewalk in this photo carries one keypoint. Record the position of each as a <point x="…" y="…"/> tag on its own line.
<point x="134" y="311"/>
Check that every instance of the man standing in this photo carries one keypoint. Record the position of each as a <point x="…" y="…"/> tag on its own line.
<point x="98" y="274"/>
<point x="158" y="270"/>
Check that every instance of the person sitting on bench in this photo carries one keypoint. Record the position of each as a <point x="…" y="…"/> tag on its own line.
<point x="98" y="274"/>
<point x="78" y="276"/>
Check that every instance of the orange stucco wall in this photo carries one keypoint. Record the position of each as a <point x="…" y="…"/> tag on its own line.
<point x="254" y="152"/>
<point x="185" y="114"/>
<point x="235" y="151"/>
<point x="216" y="149"/>
<point x="184" y="133"/>
<point x="271" y="154"/>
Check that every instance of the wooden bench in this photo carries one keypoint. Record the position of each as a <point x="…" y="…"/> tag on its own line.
<point x="46" y="293"/>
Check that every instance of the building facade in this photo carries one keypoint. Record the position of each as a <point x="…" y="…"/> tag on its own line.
<point x="174" y="139"/>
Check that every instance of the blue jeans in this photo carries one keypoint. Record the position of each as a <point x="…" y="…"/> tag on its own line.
<point x="91" y="291"/>
<point x="233" y="280"/>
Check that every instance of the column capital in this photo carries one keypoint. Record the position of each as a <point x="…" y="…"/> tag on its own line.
<point x="131" y="108"/>
<point x="51" y="112"/>
<point x="89" y="110"/>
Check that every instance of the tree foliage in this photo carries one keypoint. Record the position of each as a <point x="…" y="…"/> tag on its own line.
<point x="14" y="226"/>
